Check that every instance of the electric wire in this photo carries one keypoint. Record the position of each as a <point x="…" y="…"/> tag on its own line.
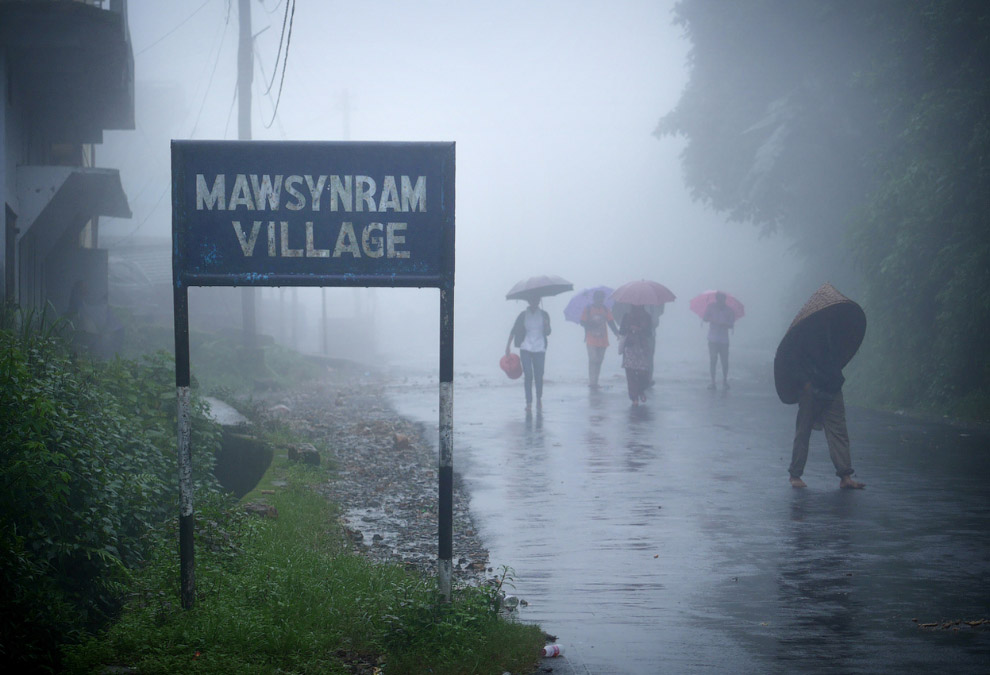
<point x="230" y="112"/>
<point x="209" y="83"/>
<point x="151" y="212"/>
<point x="278" y="55"/>
<point x="261" y="67"/>
<point x="285" y="61"/>
<point x="192" y="133"/>
<point x="175" y="28"/>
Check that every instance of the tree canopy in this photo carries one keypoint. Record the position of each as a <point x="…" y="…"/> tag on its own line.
<point x="861" y="131"/>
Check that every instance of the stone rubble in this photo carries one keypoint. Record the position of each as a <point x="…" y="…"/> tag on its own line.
<point x="385" y="474"/>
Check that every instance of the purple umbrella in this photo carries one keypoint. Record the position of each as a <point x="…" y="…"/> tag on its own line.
<point x="583" y="299"/>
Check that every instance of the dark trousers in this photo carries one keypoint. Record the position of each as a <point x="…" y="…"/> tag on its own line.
<point x="832" y="415"/>
<point x="637" y="381"/>
<point x="532" y="363"/>
<point x="718" y="350"/>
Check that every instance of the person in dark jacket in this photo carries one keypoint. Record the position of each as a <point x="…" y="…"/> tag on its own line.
<point x="529" y="333"/>
<point x="820" y="403"/>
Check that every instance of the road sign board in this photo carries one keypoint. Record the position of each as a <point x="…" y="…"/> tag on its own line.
<point x="256" y="213"/>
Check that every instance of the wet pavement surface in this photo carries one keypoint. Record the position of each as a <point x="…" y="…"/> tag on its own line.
<point x="666" y="538"/>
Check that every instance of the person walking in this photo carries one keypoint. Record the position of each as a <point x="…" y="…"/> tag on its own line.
<point x="529" y="332"/>
<point x="636" y="333"/>
<point x="597" y="319"/>
<point x="808" y="365"/>
<point x="721" y="319"/>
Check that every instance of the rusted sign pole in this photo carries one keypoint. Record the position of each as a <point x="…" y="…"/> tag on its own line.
<point x="262" y="213"/>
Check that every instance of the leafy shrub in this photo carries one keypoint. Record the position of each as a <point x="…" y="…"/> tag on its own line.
<point x="87" y="469"/>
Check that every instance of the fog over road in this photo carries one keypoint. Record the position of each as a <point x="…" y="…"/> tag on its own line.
<point x="666" y="538"/>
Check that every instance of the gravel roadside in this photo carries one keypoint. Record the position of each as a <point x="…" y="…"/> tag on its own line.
<point x="385" y="477"/>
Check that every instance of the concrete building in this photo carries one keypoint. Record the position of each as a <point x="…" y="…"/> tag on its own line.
<point x="66" y="76"/>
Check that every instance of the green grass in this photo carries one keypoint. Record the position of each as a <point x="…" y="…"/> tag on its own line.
<point x="283" y="596"/>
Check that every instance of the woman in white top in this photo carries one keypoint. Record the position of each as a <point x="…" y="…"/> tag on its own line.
<point x="530" y="333"/>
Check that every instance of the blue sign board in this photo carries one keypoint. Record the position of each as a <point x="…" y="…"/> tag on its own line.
<point x="259" y="213"/>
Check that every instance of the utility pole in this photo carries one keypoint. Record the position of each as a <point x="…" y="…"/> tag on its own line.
<point x="245" y="72"/>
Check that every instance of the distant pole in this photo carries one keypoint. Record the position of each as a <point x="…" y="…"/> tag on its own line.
<point x="323" y="309"/>
<point x="245" y="72"/>
<point x="294" y="318"/>
<point x="283" y="335"/>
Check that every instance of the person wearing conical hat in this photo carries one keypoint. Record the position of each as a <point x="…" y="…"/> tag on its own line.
<point x="808" y="365"/>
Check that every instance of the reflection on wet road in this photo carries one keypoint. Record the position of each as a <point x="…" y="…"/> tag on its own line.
<point x="666" y="538"/>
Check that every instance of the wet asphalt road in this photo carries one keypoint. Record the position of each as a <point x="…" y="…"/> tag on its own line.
<point x="666" y="539"/>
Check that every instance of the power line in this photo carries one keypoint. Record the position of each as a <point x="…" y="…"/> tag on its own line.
<point x="285" y="62"/>
<point x="261" y="66"/>
<point x="230" y="112"/>
<point x="209" y="83"/>
<point x="278" y="55"/>
<point x="223" y="34"/>
<point x="177" y="27"/>
<point x="154" y="208"/>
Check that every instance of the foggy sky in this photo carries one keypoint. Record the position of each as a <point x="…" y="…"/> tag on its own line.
<point x="551" y="105"/>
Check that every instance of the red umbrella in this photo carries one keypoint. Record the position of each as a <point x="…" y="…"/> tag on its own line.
<point x="699" y="304"/>
<point x="643" y="292"/>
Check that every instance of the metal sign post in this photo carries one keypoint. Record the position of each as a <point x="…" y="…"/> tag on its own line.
<point x="258" y="213"/>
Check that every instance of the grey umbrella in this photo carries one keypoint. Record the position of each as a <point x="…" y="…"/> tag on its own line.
<point x="538" y="287"/>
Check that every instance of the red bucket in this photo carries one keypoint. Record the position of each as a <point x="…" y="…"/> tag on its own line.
<point x="511" y="364"/>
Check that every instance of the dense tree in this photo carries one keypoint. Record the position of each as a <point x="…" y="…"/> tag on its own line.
<point x="861" y="131"/>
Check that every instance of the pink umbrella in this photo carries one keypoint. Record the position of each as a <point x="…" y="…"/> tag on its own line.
<point x="643" y="292"/>
<point x="699" y="304"/>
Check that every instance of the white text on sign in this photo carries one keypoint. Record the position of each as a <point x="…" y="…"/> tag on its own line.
<point x="333" y="193"/>
<point x="346" y="193"/>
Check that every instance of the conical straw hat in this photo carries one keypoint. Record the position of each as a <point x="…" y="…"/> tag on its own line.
<point x="826" y="307"/>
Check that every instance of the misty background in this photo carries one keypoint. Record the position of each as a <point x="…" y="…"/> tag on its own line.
<point x="552" y="107"/>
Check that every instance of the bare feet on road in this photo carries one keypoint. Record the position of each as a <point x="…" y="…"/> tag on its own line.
<point x="847" y="483"/>
<point x="798" y="483"/>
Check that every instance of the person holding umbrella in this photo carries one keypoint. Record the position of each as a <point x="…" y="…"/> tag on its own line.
<point x="637" y="334"/>
<point x="821" y="340"/>
<point x="720" y="319"/>
<point x="531" y="328"/>
<point x="529" y="332"/>
<point x="597" y="319"/>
